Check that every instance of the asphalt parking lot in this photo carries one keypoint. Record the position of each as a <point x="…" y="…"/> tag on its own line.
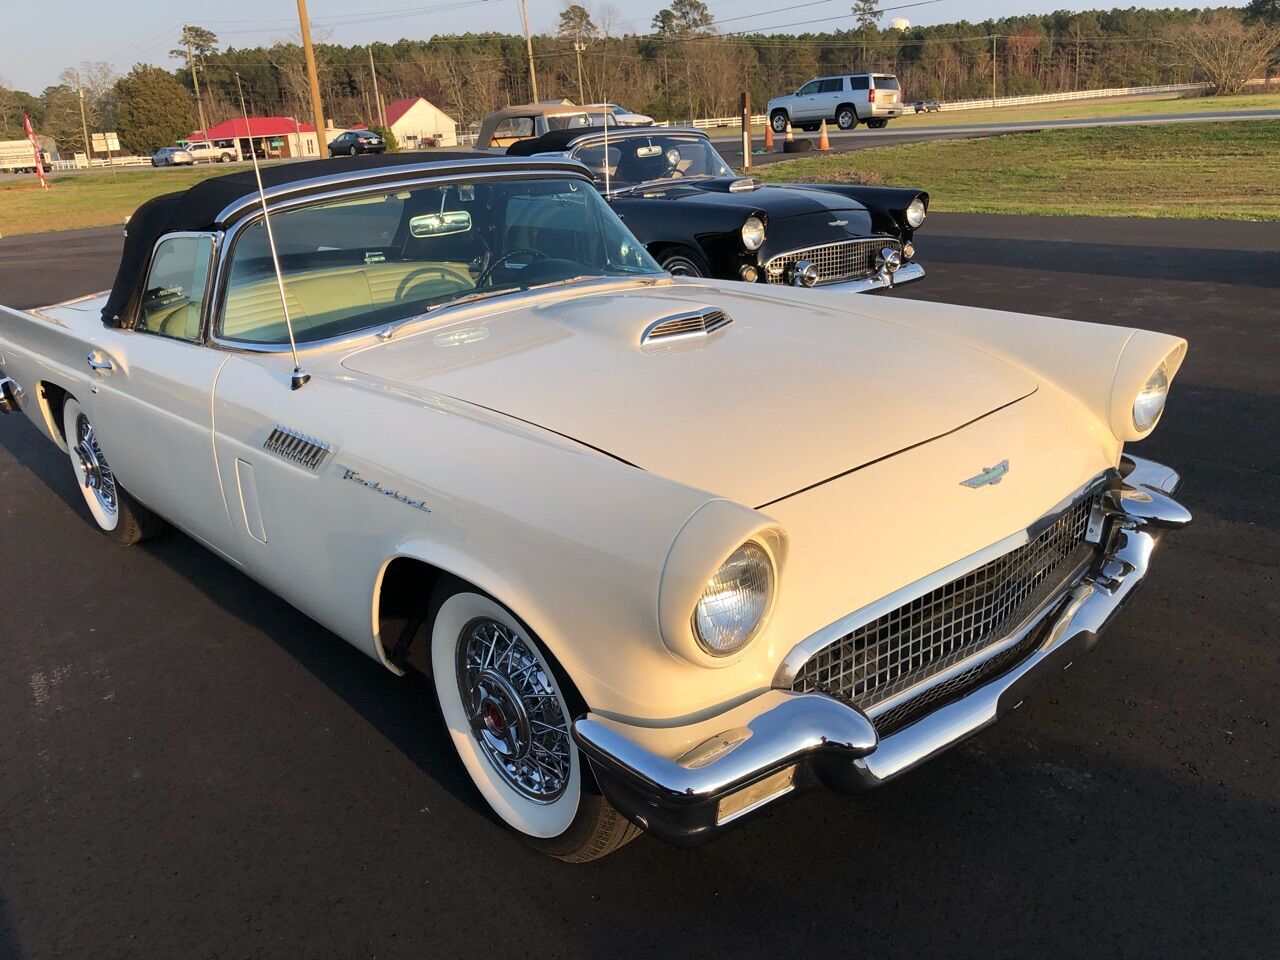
<point x="191" y="768"/>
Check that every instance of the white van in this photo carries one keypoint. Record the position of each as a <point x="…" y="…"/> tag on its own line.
<point x="846" y="100"/>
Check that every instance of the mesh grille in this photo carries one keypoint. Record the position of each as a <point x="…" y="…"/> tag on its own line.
<point x="846" y="260"/>
<point x="953" y="622"/>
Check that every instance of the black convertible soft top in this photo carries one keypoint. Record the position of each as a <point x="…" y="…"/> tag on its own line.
<point x="197" y="208"/>
<point x="557" y="141"/>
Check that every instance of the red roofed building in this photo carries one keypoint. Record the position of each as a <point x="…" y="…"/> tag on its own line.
<point x="270" y="136"/>
<point x="419" y="123"/>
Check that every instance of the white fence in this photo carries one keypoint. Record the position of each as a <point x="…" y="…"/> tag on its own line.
<point x="60" y="165"/>
<point x="759" y="118"/>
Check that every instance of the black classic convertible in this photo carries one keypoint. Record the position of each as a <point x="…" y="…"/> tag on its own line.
<point x="698" y="218"/>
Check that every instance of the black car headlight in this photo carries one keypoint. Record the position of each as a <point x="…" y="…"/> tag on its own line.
<point x="753" y="233"/>
<point x="915" y="213"/>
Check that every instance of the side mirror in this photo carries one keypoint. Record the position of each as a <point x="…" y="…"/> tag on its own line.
<point x="440" y="224"/>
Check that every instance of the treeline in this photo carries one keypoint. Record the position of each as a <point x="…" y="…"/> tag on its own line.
<point x="685" y="68"/>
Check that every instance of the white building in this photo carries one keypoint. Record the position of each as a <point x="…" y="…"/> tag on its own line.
<point x="416" y="123"/>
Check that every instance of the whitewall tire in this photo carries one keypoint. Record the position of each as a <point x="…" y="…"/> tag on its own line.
<point x="116" y="513"/>
<point x="510" y="723"/>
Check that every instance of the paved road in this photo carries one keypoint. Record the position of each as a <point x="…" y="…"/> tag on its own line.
<point x="190" y="768"/>
<point x="903" y="133"/>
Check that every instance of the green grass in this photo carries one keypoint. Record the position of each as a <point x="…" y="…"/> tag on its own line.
<point x="1207" y="170"/>
<point x="90" y="199"/>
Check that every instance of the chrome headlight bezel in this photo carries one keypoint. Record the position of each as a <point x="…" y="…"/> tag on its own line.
<point x="1149" y="404"/>
<point x="752" y="233"/>
<point x="915" y="213"/>
<point x="752" y="562"/>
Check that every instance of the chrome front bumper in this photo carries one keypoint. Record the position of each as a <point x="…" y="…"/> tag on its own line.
<point x="877" y="281"/>
<point x="782" y="742"/>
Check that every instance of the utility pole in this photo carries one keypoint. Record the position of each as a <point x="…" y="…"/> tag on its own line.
<point x="317" y="108"/>
<point x="195" y="81"/>
<point x="993" y="70"/>
<point x="84" y="124"/>
<point x="377" y="97"/>
<point x="528" y="44"/>
<point x="578" y="47"/>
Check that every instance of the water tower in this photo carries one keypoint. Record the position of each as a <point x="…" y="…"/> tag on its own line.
<point x="899" y="23"/>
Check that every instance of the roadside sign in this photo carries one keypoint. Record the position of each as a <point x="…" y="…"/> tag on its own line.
<point x="105" y="142"/>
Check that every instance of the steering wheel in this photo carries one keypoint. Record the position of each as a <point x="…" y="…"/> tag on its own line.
<point x="438" y="272"/>
<point x="488" y="271"/>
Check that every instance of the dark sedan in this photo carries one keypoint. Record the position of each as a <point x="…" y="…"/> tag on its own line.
<point x="355" y="142"/>
<point x="697" y="218"/>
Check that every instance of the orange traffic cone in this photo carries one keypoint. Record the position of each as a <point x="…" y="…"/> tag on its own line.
<point x="823" y="142"/>
<point x="768" y="136"/>
<point x="790" y="138"/>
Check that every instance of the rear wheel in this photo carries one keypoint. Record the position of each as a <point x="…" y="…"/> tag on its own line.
<point x="778" y="121"/>
<point x="878" y="124"/>
<point x="116" y="513"/>
<point x="683" y="262"/>
<point x="846" y="117"/>
<point x="509" y="718"/>
<point x="354" y="151"/>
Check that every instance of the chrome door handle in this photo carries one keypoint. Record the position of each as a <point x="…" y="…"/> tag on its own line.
<point x="102" y="366"/>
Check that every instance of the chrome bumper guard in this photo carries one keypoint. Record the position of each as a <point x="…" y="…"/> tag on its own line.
<point x="782" y="742"/>
<point x="876" y="281"/>
<point x="11" y="395"/>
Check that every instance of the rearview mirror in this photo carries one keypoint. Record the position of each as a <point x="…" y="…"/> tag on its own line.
<point x="440" y="224"/>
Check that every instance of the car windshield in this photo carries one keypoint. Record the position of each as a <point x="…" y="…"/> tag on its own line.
<point x="632" y="161"/>
<point x="376" y="259"/>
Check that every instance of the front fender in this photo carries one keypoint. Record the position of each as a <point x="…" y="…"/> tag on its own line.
<point x="887" y="205"/>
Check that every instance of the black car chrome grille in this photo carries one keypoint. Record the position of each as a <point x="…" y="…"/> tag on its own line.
<point x="947" y="625"/>
<point x="846" y="260"/>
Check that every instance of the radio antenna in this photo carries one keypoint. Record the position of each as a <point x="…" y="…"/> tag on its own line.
<point x="299" y="377"/>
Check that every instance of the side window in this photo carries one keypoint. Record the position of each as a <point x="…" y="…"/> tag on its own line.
<point x="860" y="83"/>
<point x="514" y="127"/>
<point x="835" y="85"/>
<point x="809" y="88"/>
<point x="175" y="290"/>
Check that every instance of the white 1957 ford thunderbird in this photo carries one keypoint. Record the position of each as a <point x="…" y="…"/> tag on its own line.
<point x="670" y="549"/>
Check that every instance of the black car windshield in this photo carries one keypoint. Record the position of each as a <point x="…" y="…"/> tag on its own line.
<point x="631" y="161"/>
<point x="379" y="258"/>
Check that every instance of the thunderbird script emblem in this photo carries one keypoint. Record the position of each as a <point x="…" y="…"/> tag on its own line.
<point x="990" y="475"/>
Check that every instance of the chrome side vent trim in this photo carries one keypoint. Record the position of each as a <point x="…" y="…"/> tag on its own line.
<point x="695" y="323"/>
<point x="297" y="447"/>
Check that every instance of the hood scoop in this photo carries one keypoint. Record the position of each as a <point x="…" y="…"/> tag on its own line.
<point x="680" y="326"/>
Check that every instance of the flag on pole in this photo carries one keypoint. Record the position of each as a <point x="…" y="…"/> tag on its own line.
<point x="35" y="149"/>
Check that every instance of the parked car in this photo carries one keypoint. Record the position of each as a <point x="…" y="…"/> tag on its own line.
<point x="355" y="142"/>
<point x="621" y="115"/>
<point x="204" y="151"/>
<point x="509" y="125"/>
<point x="697" y="218"/>
<point x="846" y="101"/>
<point x="670" y="550"/>
<point x="172" y="157"/>
<point x="927" y="106"/>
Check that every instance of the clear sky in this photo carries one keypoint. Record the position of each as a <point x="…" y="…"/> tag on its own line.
<point x="124" y="32"/>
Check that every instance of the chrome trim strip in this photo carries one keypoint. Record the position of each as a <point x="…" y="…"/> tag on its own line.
<point x="444" y="169"/>
<point x="806" y="648"/>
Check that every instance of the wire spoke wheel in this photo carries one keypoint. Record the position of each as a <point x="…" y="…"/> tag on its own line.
<point x="513" y="710"/>
<point x="95" y="474"/>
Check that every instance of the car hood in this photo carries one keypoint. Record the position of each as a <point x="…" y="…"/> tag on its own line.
<point x="776" y="200"/>
<point x="783" y="397"/>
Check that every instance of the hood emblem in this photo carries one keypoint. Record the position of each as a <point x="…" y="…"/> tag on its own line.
<point x="837" y="223"/>
<point x="988" y="476"/>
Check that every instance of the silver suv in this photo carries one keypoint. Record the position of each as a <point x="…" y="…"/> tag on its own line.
<point x="870" y="98"/>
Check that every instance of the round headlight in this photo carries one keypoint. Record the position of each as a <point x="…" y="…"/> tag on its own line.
<point x="915" y="213"/>
<point x="735" y="601"/>
<point x="1150" y="403"/>
<point x="753" y="233"/>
